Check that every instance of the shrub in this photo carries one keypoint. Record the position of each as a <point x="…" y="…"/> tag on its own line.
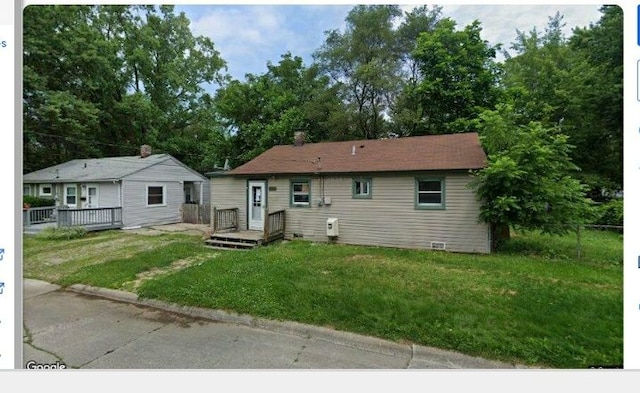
<point x="62" y="233"/>
<point x="34" y="201"/>
<point x="610" y="213"/>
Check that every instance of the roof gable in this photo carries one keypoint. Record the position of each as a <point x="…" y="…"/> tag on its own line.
<point x="98" y="169"/>
<point x="420" y="153"/>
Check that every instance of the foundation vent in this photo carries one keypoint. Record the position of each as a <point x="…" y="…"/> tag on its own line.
<point x="438" y="246"/>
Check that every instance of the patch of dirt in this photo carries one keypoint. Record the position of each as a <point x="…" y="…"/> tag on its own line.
<point x="361" y="257"/>
<point x="509" y="292"/>
<point x="456" y="270"/>
<point x="97" y="249"/>
<point x="185" y="228"/>
<point x="175" y="266"/>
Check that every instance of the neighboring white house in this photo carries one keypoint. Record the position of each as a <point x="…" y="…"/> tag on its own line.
<point x="150" y="188"/>
<point x="406" y="192"/>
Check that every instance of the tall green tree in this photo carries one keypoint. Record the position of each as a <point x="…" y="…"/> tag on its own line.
<point x="406" y="110"/>
<point x="458" y="78"/>
<point x="528" y="181"/>
<point x="598" y="99"/>
<point x="537" y="76"/>
<point x="365" y="62"/>
<point x="102" y="80"/>
<point x="265" y="110"/>
<point x="574" y="84"/>
<point x="64" y="68"/>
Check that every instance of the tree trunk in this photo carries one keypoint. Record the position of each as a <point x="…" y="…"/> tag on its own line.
<point x="499" y="234"/>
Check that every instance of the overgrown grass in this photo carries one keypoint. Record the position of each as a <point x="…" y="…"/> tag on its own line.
<point x="62" y="233"/>
<point x="596" y="248"/>
<point x="534" y="303"/>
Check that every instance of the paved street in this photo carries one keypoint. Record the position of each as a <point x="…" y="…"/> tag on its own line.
<point x="102" y="329"/>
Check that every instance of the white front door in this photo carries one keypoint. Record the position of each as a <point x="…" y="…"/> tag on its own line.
<point x="92" y="196"/>
<point x="257" y="205"/>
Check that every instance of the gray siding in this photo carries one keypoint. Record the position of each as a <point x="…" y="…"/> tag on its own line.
<point x="108" y="194"/>
<point x="169" y="174"/>
<point x="228" y="193"/>
<point x="389" y="218"/>
<point x="135" y="211"/>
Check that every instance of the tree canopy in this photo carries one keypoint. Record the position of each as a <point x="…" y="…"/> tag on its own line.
<point x="103" y="80"/>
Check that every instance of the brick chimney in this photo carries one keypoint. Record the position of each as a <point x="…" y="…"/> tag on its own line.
<point x="145" y="151"/>
<point x="298" y="138"/>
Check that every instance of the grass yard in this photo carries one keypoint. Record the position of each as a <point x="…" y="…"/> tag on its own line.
<point x="533" y="303"/>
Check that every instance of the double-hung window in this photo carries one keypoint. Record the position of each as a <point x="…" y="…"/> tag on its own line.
<point x="429" y="193"/>
<point x="300" y="193"/>
<point x="70" y="195"/>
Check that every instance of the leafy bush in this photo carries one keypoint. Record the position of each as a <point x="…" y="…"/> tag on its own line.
<point x="34" y="201"/>
<point x="610" y="213"/>
<point x="62" y="233"/>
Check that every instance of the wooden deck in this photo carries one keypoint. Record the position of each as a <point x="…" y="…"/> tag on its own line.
<point x="239" y="240"/>
<point x="224" y="225"/>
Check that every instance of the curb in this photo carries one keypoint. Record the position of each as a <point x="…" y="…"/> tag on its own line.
<point x="417" y="356"/>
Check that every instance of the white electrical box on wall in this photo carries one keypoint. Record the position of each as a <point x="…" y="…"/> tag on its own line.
<point x="327" y="200"/>
<point x="332" y="227"/>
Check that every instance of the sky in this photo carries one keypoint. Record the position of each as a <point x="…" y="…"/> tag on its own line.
<point x="249" y="36"/>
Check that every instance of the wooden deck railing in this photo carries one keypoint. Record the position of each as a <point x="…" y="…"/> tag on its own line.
<point x="224" y="219"/>
<point x="274" y="225"/>
<point x="102" y="217"/>
<point x="38" y="215"/>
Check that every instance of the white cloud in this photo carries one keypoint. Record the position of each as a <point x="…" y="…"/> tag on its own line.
<point x="500" y="22"/>
<point x="245" y="31"/>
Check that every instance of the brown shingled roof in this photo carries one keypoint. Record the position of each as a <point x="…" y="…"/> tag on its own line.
<point x="419" y="153"/>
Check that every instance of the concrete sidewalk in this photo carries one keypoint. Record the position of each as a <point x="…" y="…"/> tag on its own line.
<point x="88" y="327"/>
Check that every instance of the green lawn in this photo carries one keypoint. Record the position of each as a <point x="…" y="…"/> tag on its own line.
<point x="534" y="303"/>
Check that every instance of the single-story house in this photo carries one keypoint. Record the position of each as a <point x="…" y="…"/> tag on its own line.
<point x="150" y="188"/>
<point x="404" y="192"/>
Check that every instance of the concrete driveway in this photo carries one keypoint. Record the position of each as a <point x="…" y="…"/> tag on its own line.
<point x="104" y="329"/>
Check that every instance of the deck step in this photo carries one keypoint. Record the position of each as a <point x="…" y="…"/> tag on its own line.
<point x="228" y="244"/>
<point x="235" y="239"/>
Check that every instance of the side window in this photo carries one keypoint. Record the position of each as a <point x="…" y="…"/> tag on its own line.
<point x="155" y="196"/>
<point x="300" y="193"/>
<point x="430" y="193"/>
<point x="361" y="188"/>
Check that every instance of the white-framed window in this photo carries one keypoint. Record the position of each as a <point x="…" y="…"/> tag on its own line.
<point x="26" y="189"/>
<point x="301" y="192"/>
<point x="156" y="195"/>
<point x="361" y="188"/>
<point x="429" y="193"/>
<point x="46" y="190"/>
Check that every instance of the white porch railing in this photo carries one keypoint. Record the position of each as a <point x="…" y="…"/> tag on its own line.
<point x="91" y="218"/>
